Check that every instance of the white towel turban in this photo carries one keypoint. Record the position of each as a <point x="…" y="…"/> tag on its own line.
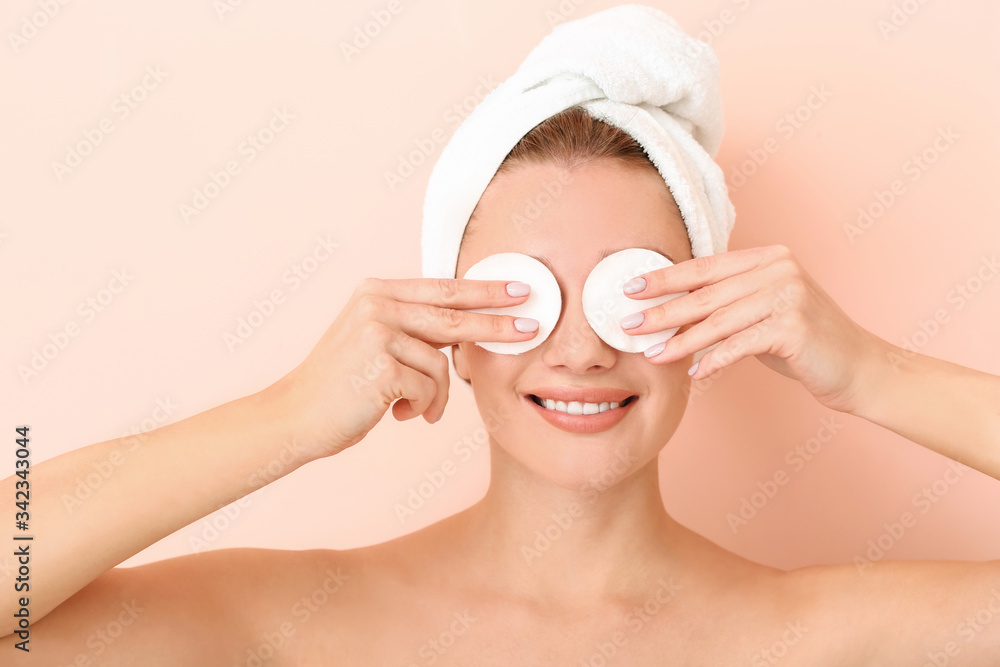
<point x="631" y="66"/>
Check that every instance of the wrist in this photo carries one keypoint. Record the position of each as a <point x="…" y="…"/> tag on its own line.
<point x="271" y="410"/>
<point x="303" y="434"/>
<point x="883" y="365"/>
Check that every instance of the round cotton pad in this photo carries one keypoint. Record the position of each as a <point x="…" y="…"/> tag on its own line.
<point x="544" y="302"/>
<point x="605" y="304"/>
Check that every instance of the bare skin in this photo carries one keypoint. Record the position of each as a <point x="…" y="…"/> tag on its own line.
<point x="619" y="582"/>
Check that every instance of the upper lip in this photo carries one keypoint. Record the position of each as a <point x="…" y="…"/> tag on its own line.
<point x="582" y="394"/>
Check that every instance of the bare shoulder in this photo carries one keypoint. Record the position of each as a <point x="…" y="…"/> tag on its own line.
<point x="905" y="613"/>
<point x="200" y="609"/>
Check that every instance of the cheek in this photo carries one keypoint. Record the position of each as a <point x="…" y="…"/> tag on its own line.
<point x="499" y="369"/>
<point x="669" y="387"/>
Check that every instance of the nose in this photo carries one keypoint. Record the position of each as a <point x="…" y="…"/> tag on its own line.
<point x="573" y="344"/>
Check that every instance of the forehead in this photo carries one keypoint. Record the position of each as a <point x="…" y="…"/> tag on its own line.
<point x="574" y="217"/>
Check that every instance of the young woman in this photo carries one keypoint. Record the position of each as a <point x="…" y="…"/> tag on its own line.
<point x="617" y="579"/>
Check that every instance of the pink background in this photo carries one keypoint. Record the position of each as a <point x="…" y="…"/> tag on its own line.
<point x="162" y="336"/>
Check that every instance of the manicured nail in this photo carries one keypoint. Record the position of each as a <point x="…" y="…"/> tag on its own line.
<point x="655" y="350"/>
<point x="525" y="324"/>
<point x="633" y="320"/>
<point x="518" y="289"/>
<point x="635" y="285"/>
<point x="694" y="369"/>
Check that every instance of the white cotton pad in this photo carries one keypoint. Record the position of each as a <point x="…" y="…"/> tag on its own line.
<point x="544" y="302"/>
<point x="605" y="303"/>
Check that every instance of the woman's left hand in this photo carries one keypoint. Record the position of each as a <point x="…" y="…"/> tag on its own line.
<point x="760" y="301"/>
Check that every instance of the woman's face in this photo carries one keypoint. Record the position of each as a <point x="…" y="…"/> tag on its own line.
<point x="599" y="208"/>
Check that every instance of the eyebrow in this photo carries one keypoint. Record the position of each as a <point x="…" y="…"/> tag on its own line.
<point x="608" y="251"/>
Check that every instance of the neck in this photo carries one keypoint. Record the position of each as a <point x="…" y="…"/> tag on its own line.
<point x="544" y="542"/>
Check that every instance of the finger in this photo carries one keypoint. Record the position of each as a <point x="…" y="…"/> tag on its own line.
<point x="457" y="293"/>
<point x="720" y="324"/>
<point x="427" y="397"/>
<point x="415" y="392"/>
<point x="433" y="363"/>
<point x="748" y="342"/>
<point x="410" y="391"/>
<point x="696" y="305"/>
<point x="442" y="327"/>
<point x="694" y="273"/>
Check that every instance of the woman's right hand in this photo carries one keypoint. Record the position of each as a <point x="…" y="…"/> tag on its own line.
<point x="386" y="345"/>
<point x="383" y="346"/>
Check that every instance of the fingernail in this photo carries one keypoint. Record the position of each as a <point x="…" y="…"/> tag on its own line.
<point x="655" y="350"/>
<point x="635" y="285"/>
<point x="632" y="321"/>
<point x="525" y="324"/>
<point x="694" y="369"/>
<point x="518" y="289"/>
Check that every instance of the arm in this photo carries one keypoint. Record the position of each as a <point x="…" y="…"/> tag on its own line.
<point x="186" y="470"/>
<point x="199" y="609"/>
<point x="948" y="408"/>
<point x="172" y="476"/>
<point x="761" y="302"/>
<point x="898" y="613"/>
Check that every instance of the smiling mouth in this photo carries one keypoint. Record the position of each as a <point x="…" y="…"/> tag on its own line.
<point x="578" y="408"/>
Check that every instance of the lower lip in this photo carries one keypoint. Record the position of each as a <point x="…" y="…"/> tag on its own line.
<point x="602" y="421"/>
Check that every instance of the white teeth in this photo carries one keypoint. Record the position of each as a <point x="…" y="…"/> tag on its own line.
<point x="578" y="408"/>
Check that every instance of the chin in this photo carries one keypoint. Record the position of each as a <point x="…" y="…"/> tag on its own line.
<point x="588" y="469"/>
<point x="586" y="461"/>
<point x="580" y="434"/>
